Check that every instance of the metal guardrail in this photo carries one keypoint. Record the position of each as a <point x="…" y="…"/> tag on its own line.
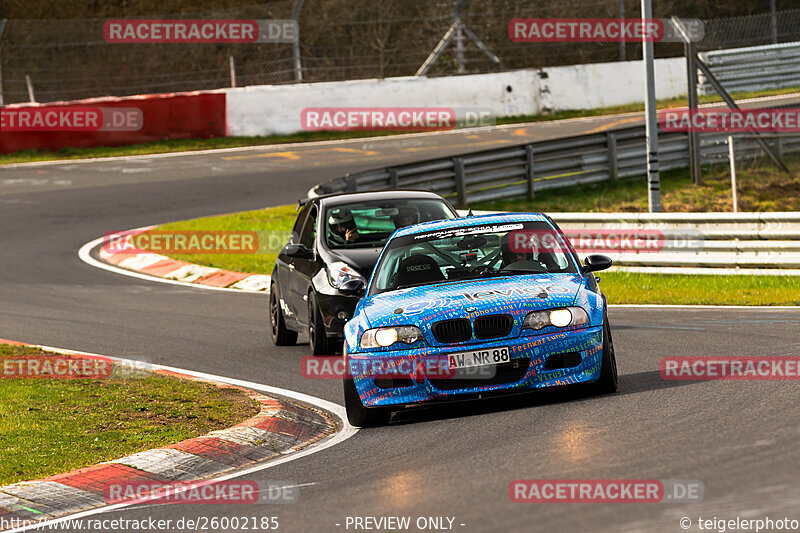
<point x="753" y="68"/>
<point x="763" y="243"/>
<point x="523" y="170"/>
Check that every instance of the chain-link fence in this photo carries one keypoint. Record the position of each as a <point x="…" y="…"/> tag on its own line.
<point x="340" y="40"/>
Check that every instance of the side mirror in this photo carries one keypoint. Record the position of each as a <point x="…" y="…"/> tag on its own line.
<point x="298" y="250"/>
<point x="353" y="287"/>
<point x="596" y="262"/>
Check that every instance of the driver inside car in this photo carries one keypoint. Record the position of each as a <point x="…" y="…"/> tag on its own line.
<point x="406" y="216"/>
<point x="522" y="258"/>
<point x="342" y="225"/>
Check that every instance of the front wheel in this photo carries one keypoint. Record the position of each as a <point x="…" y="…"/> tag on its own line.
<point x="609" y="380"/>
<point x="281" y="335"/>
<point x="318" y="341"/>
<point x="357" y="414"/>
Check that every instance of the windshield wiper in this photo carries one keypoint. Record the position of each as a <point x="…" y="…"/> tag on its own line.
<point x="421" y="284"/>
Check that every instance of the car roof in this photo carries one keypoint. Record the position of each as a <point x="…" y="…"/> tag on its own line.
<point x="350" y="197"/>
<point x="498" y="218"/>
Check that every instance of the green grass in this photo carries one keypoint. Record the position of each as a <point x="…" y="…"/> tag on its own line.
<point x="278" y="219"/>
<point x="53" y="426"/>
<point x="682" y="289"/>
<point x="760" y="187"/>
<point x="184" y="145"/>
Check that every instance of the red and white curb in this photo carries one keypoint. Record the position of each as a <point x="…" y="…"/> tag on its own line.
<point x="289" y="425"/>
<point x="156" y="267"/>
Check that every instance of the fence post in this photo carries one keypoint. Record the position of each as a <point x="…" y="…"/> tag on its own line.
<point x="613" y="165"/>
<point x="529" y="172"/>
<point x="393" y="181"/>
<point x="298" y="68"/>
<point x="233" y="71"/>
<point x="2" y="28"/>
<point x="732" y="157"/>
<point x="29" y="83"/>
<point x="461" y="192"/>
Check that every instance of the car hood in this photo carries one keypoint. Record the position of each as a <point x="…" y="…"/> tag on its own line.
<point x="512" y="294"/>
<point x="362" y="259"/>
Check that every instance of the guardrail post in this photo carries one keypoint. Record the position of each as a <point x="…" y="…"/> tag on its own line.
<point x="613" y="165"/>
<point x="393" y="182"/>
<point x="529" y="172"/>
<point x="461" y="192"/>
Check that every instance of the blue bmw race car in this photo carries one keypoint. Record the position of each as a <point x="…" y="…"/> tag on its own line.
<point x="471" y="307"/>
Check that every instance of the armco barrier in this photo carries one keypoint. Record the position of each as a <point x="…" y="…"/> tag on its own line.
<point x="727" y="243"/>
<point x="519" y="171"/>
<point x="754" y="68"/>
<point x="165" y="116"/>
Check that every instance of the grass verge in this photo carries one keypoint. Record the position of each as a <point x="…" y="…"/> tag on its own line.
<point x="50" y="426"/>
<point x="760" y="187"/>
<point x="683" y="289"/>
<point x="187" y="145"/>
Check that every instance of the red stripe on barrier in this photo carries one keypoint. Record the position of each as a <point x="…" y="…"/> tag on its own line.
<point x="164" y="116"/>
<point x="222" y="278"/>
<point x="163" y="267"/>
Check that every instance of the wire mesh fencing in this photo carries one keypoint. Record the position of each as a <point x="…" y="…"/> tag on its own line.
<point x="67" y="59"/>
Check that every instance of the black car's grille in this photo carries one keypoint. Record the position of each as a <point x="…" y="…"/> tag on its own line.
<point x="493" y="326"/>
<point x="450" y="331"/>
<point x="505" y="373"/>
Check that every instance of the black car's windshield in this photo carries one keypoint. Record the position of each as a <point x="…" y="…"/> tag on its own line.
<point x="472" y="252"/>
<point x="370" y="224"/>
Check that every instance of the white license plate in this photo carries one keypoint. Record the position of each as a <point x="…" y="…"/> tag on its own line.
<point x="491" y="356"/>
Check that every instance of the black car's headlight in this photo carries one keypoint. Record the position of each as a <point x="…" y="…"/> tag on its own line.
<point x="560" y="318"/>
<point x="339" y="272"/>
<point x="383" y="337"/>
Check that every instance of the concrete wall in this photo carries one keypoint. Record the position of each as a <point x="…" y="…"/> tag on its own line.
<point x="609" y="84"/>
<point x="275" y="109"/>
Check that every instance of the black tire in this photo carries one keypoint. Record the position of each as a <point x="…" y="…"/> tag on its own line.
<point x="318" y="341"/>
<point x="281" y="335"/>
<point x="609" y="379"/>
<point x="357" y="414"/>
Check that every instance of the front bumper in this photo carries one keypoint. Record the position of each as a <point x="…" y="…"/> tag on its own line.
<point x="414" y="378"/>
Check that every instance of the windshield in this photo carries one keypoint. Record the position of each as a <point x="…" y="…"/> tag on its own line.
<point x="472" y="252"/>
<point x="370" y="224"/>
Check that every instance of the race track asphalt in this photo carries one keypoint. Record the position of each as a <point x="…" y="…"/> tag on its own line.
<point x="738" y="438"/>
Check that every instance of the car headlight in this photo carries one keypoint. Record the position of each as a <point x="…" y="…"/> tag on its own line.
<point x="560" y="318"/>
<point x="383" y="337"/>
<point x="339" y="272"/>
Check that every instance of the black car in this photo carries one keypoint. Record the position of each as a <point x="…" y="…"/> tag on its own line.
<point x="336" y="239"/>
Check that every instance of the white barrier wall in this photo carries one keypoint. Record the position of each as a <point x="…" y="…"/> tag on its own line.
<point x="610" y="84"/>
<point x="275" y="109"/>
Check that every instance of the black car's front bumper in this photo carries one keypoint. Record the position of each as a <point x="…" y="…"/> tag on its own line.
<point x="331" y="306"/>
